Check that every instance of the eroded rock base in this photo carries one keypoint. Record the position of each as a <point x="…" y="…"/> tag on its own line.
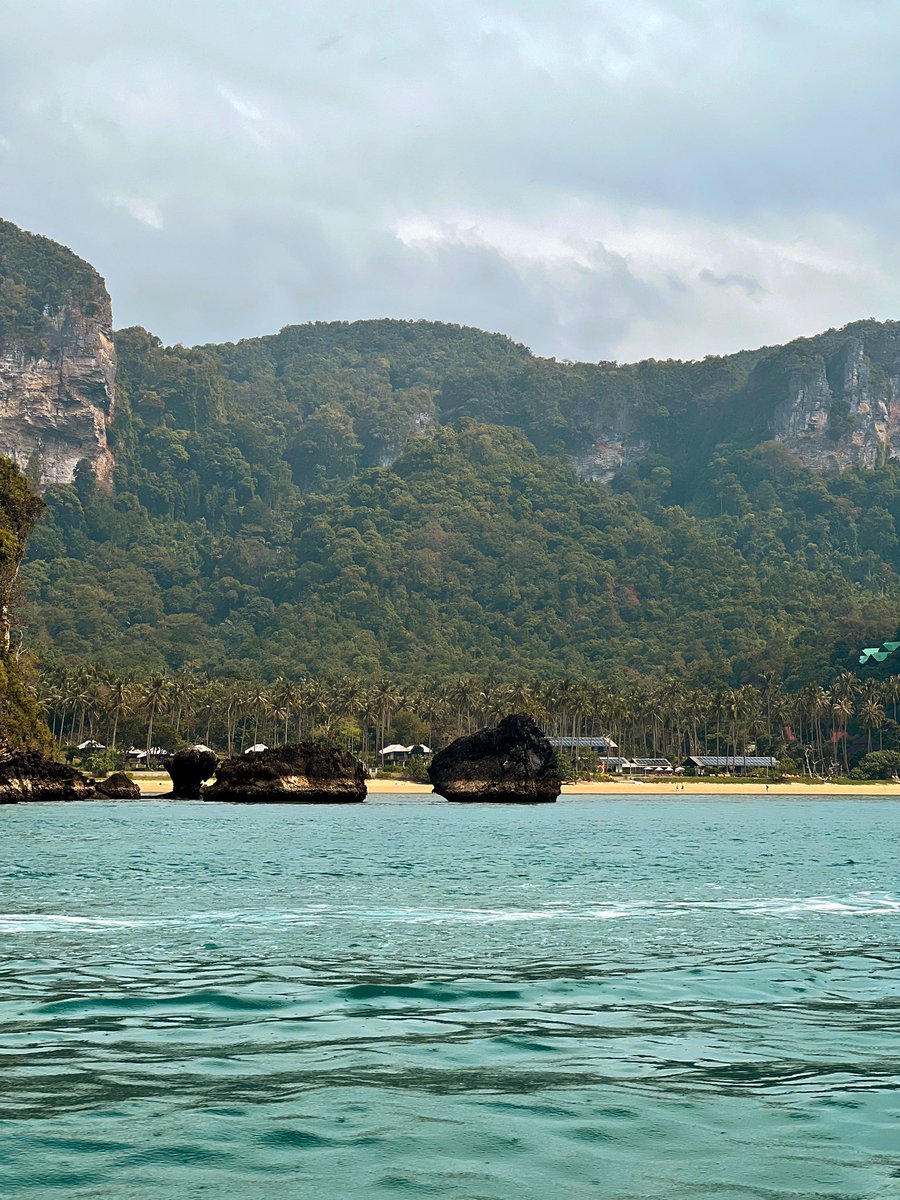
<point x="301" y="773"/>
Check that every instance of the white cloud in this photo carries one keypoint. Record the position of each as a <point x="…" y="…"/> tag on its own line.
<point x="667" y="177"/>
<point x="145" y="211"/>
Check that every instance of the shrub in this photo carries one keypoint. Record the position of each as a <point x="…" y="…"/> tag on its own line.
<point x="879" y="764"/>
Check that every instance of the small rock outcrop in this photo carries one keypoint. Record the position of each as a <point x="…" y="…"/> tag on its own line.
<point x="302" y="773"/>
<point x="189" y="770"/>
<point x="117" y="787"/>
<point x="511" y="764"/>
<point x="30" y="775"/>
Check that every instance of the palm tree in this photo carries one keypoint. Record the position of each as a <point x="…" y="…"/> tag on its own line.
<point x="120" y="697"/>
<point x="154" y="695"/>
<point x="871" y="715"/>
<point x="386" y="696"/>
<point x="257" y="700"/>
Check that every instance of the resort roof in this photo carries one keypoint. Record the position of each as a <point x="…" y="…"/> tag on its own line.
<point x="731" y="760"/>
<point x="583" y="743"/>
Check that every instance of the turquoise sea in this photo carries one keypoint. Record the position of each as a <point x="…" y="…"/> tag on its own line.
<point x="627" y="998"/>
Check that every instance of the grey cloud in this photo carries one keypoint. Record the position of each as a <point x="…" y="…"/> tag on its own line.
<point x="748" y="285"/>
<point x="681" y="169"/>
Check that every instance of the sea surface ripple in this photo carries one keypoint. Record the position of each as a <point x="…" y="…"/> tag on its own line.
<point x="597" y="999"/>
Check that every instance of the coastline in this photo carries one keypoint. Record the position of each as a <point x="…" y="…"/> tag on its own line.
<point x="686" y="787"/>
<point x="155" y="786"/>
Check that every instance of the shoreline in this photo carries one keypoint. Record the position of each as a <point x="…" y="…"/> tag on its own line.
<point x="155" y="787"/>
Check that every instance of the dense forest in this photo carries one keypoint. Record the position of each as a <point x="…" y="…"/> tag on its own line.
<point x="256" y="543"/>
<point x="401" y="498"/>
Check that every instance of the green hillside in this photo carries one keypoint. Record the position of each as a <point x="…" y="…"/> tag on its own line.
<point x="473" y="551"/>
<point x="401" y="497"/>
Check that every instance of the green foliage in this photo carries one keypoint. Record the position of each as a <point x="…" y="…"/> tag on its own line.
<point x="253" y="530"/>
<point x="880" y="764"/>
<point x="399" y="497"/>
<point x="22" y="726"/>
<point x="38" y="279"/>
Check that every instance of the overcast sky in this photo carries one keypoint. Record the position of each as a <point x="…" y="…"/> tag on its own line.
<point x="596" y="178"/>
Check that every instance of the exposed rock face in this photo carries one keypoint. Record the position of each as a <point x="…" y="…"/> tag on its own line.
<point x="842" y="412"/>
<point x="512" y="764"/>
<point x="610" y="452"/>
<point x="57" y="360"/>
<point x="419" y="424"/>
<point x="189" y="770"/>
<point x="54" y="411"/>
<point x="302" y="773"/>
<point x="117" y="787"/>
<point x="29" y="775"/>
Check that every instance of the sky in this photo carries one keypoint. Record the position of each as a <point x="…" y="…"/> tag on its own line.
<point x="597" y="179"/>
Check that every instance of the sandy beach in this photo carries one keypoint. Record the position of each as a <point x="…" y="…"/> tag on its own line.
<point x="156" y="784"/>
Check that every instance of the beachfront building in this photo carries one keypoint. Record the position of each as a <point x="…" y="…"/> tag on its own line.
<point x="137" y="758"/>
<point x="615" y="765"/>
<point x="654" y="766"/>
<point x="729" y="764"/>
<point x="395" y="753"/>
<point x="597" y="745"/>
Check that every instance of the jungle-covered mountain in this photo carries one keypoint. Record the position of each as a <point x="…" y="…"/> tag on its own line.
<point x="410" y="497"/>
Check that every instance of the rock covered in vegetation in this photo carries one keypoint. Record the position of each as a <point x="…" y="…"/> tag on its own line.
<point x="189" y="770"/>
<point x="30" y="775"/>
<point x="512" y="764"/>
<point x="117" y="787"/>
<point x="302" y="773"/>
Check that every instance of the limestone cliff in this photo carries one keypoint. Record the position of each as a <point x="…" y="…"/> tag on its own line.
<point x="843" y="410"/>
<point x="57" y="360"/>
<point x="833" y="400"/>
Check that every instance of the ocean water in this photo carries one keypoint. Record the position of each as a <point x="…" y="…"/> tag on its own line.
<point x="624" y="998"/>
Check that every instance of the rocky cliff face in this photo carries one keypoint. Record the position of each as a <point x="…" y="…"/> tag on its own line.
<point x="842" y="412"/>
<point x="54" y="409"/>
<point x="611" y="451"/>
<point x="833" y="400"/>
<point x="57" y="360"/>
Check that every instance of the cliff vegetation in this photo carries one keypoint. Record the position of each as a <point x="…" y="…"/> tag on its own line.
<point x="415" y="498"/>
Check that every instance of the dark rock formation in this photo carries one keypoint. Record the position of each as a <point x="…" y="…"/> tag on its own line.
<point x="30" y="775"/>
<point x="303" y="773"/>
<point x="512" y="764"/>
<point x="189" y="770"/>
<point x="117" y="787"/>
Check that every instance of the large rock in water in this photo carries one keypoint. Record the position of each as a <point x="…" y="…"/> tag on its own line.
<point x="189" y="770"/>
<point x="302" y="773"/>
<point x="30" y="775"/>
<point x="512" y="764"/>
<point x="117" y="787"/>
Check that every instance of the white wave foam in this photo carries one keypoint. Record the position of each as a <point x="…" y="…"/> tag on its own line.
<point x="861" y="904"/>
<point x="43" y="922"/>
